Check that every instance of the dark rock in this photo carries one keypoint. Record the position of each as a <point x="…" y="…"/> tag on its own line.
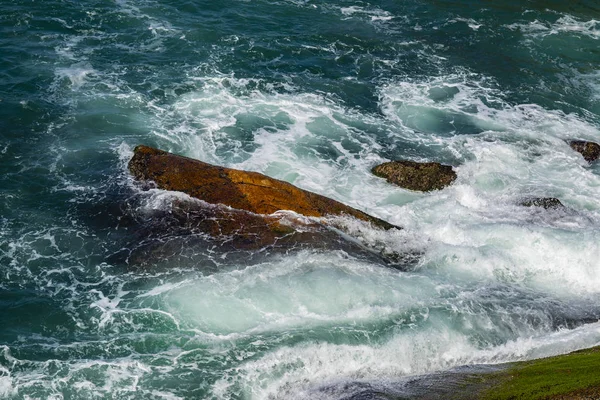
<point x="589" y="150"/>
<point x="194" y="234"/>
<point x="243" y="190"/>
<point x="412" y="175"/>
<point x="545" y="202"/>
<point x="459" y="383"/>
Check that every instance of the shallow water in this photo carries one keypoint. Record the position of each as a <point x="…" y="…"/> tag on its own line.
<point x="314" y="93"/>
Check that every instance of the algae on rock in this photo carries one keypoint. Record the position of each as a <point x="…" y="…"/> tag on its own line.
<point x="411" y="175"/>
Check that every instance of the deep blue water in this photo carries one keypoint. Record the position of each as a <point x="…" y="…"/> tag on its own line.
<point x="102" y="297"/>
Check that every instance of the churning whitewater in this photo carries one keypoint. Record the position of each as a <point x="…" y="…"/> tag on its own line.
<point x="103" y="296"/>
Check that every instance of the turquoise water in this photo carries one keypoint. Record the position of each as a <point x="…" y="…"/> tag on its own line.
<point x="102" y="295"/>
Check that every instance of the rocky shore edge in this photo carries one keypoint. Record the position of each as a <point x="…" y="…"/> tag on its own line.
<point x="572" y="376"/>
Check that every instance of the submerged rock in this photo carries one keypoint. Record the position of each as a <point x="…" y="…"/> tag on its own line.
<point x="194" y="234"/>
<point x="243" y="190"/>
<point x="589" y="150"/>
<point x="417" y="176"/>
<point x="544" y="202"/>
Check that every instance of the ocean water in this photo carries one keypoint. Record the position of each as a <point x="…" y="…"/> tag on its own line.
<point x="101" y="297"/>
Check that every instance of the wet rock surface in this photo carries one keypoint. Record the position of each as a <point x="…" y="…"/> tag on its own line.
<point x="244" y="190"/>
<point x="589" y="150"/>
<point x="543" y="202"/>
<point x="459" y="383"/>
<point x="194" y="234"/>
<point x="416" y="176"/>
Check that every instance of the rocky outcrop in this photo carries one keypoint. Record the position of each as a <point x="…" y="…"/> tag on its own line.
<point x="243" y="190"/>
<point x="589" y="150"/>
<point x="412" y="175"/>
<point x="544" y="202"/>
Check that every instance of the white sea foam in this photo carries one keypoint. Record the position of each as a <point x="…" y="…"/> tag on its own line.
<point x="373" y="13"/>
<point x="564" y="25"/>
<point x="287" y="292"/>
<point x="66" y="50"/>
<point x="6" y="388"/>
<point x="283" y="146"/>
<point x="6" y="384"/>
<point x="514" y="151"/>
<point x="76" y="74"/>
<point x="471" y="23"/>
<point x="297" y="372"/>
<point x="463" y="104"/>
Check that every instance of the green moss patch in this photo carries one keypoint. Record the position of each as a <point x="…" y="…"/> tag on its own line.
<point x="565" y="376"/>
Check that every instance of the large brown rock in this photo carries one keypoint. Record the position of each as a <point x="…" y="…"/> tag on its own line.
<point x="244" y="190"/>
<point x="589" y="150"/>
<point x="412" y="175"/>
